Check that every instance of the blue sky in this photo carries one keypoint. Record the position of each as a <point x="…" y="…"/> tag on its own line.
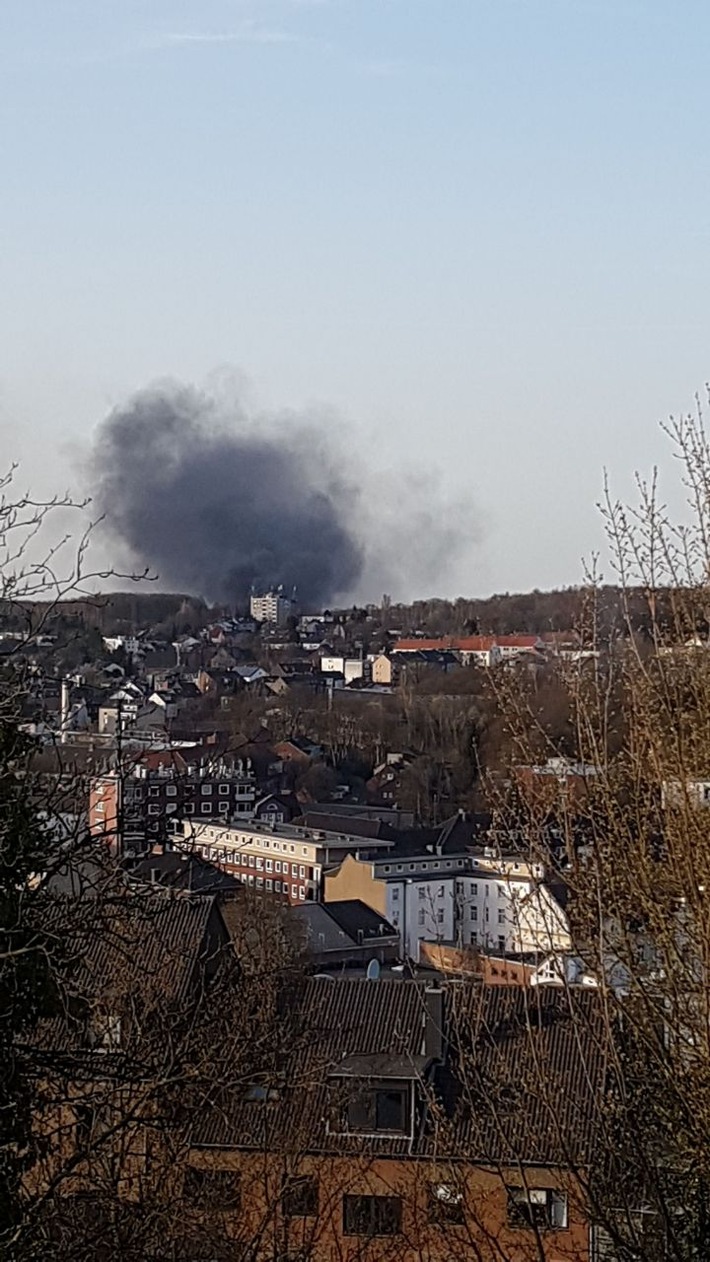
<point x="478" y="230"/>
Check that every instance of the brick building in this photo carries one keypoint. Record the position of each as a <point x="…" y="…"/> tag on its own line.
<point x="279" y="859"/>
<point x="134" y="807"/>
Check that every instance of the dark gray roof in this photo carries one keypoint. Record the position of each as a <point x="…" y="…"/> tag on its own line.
<point x="353" y="916"/>
<point x="322" y="932"/>
<point x="184" y="872"/>
<point x="522" y="1080"/>
<point x="353" y="825"/>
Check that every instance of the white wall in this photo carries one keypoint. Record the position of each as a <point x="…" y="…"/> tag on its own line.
<point x="422" y="910"/>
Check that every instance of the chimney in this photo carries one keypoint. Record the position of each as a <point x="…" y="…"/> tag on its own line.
<point x="433" y="1023"/>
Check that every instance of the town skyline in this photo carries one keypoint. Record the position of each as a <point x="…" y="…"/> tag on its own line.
<point x="464" y="231"/>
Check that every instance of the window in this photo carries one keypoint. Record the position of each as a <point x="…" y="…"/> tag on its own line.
<point x="445" y="1203"/>
<point x="536" y="1207"/>
<point x="294" y="869"/>
<point x="372" y="1215"/>
<point x="277" y="887"/>
<point x="474" y="890"/>
<point x="260" y="882"/>
<point x="299" y="1197"/>
<point x="269" y="884"/>
<point x="252" y="860"/>
<point x="294" y="891"/>
<point x="211" y="1189"/>
<point x="85" y="1124"/>
<point x="105" y="1032"/>
<point x="474" y="913"/>
<point x="206" y="808"/>
<point x="277" y="865"/>
<point x="395" y="894"/>
<point x="301" y="891"/>
<point x="189" y="809"/>
<point x="501" y="915"/>
<point x="223" y="807"/>
<point x="269" y="865"/>
<point x="224" y="789"/>
<point x="153" y="810"/>
<point x="259" y="865"/>
<point x="154" y="791"/>
<point x="440" y="916"/>
<point x="171" y="791"/>
<point x="421" y="915"/>
<point x="206" y="790"/>
<point x="379" y="1109"/>
<point x="422" y="891"/>
<point x="501" y="942"/>
<point x="302" y="872"/>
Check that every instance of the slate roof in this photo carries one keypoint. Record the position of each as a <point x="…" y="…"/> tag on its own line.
<point x="335" y="926"/>
<point x="522" y="1078"/>
<point x="353" y="916"/>
<point x="353" y="825"/>
<point x="132" y="949"/>
<point x="189" y="872"/>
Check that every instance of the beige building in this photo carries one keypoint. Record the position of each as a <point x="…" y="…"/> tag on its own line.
<point x="279" y="859"/>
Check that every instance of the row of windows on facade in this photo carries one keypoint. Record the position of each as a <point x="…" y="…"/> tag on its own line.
<point x="206" y="808"/>
<point x="425" y="893"/>
<point x="367" y="1215"/>
<point x="171" y="790"/>
<point x="276" y="887"/>
<point x="474" y="939"/>
<point x="263" y="842"/>
<point x="440" y="916"/>
<point x="217" y="854"/>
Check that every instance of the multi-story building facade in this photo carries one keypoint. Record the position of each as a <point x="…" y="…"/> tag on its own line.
<point x="134" y="807"/>
<point x="272" y="607"/>
<point x="499" y="904"/>
<point x="278" y="859"/>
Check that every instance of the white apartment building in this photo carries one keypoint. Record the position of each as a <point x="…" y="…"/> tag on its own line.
<point x="501" y="905"/>
<point x="350" y="667"/>
<point x="272" y="607"/>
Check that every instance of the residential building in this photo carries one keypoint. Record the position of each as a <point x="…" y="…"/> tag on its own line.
<point x="559" y="782"/>
<point x="132" y="807"/>
<point x="366" y="1145"/>
<point x="497" y="904"/>
<point x="272" y="607"/>
<point x="346" y="934"/>
<point x="276" y="859"/>
<point x="384" y="669"/>
<point x="351" y="668"/>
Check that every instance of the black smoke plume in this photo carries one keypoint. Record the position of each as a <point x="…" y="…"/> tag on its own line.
<point x="216" y="503"/>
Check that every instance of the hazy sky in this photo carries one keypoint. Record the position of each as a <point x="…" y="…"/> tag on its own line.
<point x="477" y="229"/>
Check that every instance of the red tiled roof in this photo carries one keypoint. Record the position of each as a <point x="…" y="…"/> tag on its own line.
<point x="517" y="641"/>
<point x="463" y="644"/>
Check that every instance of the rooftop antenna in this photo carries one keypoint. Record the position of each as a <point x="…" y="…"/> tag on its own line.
<point x="373" y="971"/>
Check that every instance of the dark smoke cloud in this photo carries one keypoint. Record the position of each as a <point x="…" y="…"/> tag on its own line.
<point x="216" y="504"/>
<point x="214" y="501"/>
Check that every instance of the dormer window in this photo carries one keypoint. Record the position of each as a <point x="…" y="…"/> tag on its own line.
<point x="378" y="1109"/>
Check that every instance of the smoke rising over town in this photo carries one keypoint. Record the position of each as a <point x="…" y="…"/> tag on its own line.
<point x="215" y="502"/>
